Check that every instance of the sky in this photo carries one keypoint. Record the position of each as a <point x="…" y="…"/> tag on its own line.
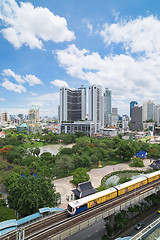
<point x="46" y="45"/>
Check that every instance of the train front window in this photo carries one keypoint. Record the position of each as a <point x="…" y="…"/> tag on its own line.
<point x="69" y="208"/>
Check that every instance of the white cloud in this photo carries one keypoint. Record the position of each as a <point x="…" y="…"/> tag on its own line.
<point x="30" y="26"/>
<point x="2" y="99"/>
<point x="89" y="26"/>
<point x="9" y="85"/>
<point x="128" y="78"/>
<point x="33" y="94"/>
<point x="32" y="80"/>
<point x="50" y="100"/>
<point x="13" y="87"/>
<point x="59" y="83"/>
<point x="10" y="73"/>
<point x="138" y="36"/>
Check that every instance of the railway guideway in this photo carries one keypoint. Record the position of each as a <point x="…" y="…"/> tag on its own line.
<point x="107" y="213"/>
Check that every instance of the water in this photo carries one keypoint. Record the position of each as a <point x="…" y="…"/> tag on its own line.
<point x="54" y="148"/>
<point x="114" y="179"/>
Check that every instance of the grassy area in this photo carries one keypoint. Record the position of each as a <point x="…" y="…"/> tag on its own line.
<point x="6" y="214"/>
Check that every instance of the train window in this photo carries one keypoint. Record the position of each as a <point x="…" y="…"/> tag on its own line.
<point x="69" y="208"/>
<point x="83" y="206"/>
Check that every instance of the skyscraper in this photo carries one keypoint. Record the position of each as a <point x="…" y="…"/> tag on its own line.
<point x="132" y="104"/>
<point x="5" y="117"/>
<point x="148" y="111"/>
<point x="108" y="105"/>
<point x="136" y="118"/>
<point x="72" y="104"/>
<point x="95" y="106"/>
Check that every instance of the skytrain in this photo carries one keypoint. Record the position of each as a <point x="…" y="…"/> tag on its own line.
<point x="90" y="201"/>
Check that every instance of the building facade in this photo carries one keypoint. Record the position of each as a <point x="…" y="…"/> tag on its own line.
<point x="72" y="104"/>
<point x="108" y="105"/>
<point x="33" y="115"/>
<point x="95" y="107"/>
<point x="136" y="118"/>
<point x="132" y="104"/>
<point x="148" y="111"/>
<point x="5" y="117"/>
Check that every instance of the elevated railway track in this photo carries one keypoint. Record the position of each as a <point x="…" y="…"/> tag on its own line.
<point x="54" y="226"/>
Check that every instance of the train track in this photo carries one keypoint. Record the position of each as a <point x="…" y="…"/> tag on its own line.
<point x="58" y="223"/>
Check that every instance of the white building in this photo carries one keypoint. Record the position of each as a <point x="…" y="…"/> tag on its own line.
<point x="148" y="111"/>
<point x="72" y="104"/>
<point x="95" y="107"/>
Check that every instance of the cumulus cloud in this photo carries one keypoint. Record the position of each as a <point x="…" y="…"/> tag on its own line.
<point x="10" y="73"/>
<point x="89" y="26"/>
<point x="59" y="83"/>
<point x="138" y="35"/>
<point x="2" y="99"/>
<point x="31" y="26"/>
<point x="13" y="87"/>
<point x="32" y="80"/>
<point x="128" y="78"/>
<point x="9" y="85"/>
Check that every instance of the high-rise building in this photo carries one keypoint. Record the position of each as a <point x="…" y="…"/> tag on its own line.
<point x="33" y="115"/>
<point x="95" y="106"/>
<point x="136" y="118"/>
<point x="72" y="104"/>
<point x="114" y="117"/>
<point x="20" y="116"/>
<point x="108" y="106"/>
<point x="157" y="114"/>
<point x="132" y="104"/>
<point x="148" y="111"/>
<point x="5" y="117"/>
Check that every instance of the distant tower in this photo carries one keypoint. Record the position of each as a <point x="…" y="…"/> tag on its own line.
<point x="132" y="104"/>
<point x="33" y="115"/>
<point x="148" y="111"/>
<point x="108" y="106"/>
<point x="72" y="104"/>
<point x="136" y="118"/>
<point x="5" y="117"/>
<point x="95" y="106"/>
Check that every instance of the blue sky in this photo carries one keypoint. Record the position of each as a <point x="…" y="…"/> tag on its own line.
<point x="45" y="45"/>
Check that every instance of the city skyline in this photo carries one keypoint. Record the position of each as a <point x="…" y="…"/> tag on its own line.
<point x="47" y="45"/>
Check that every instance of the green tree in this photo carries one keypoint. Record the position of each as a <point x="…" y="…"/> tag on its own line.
<point x="80" y="175"/>
<point x="27" y="195"/>
<point x="137" y="162"/>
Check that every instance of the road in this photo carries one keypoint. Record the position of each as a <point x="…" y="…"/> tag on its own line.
<point x="97" y="230"/>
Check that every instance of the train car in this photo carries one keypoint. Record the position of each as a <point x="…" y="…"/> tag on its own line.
<point x="91" y="201"/>
<point x="131" y="185"/>
<point x="153" y="176"/>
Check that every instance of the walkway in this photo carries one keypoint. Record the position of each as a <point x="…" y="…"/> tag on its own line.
<point x="64" y="186"/>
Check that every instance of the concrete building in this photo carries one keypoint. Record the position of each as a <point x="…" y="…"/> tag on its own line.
<point x="5" y="117"/>
<point x="87" y="127"/>
<point x="157" y="114"/>
<point x="95" y="107"/>
<point x="108" y="105"/>
<point x="72" y="104"/>
<point x="114" y="117"/>
<point x="136" y="118"/>
<point x="33" y="115"/>
<point x="132" y="104"/>
<point x="125" y="121"/>
<point x="21" y="117"/>
<point x="148" y="111"/>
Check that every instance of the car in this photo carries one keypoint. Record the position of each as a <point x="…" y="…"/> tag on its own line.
<point x="158" y="211"/>
<point x="139" y="225"/>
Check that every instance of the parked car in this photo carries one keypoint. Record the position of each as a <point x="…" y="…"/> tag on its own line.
<point x="139" y="225"/>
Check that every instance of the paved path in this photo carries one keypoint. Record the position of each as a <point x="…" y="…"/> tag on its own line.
<point x="64" y="186"/>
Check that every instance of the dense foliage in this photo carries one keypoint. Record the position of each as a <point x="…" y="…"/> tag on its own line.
<point x="79" y="176"/>
<point x="27" y="195"/>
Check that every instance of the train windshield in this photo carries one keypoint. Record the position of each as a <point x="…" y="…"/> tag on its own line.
<point x="69" y="208"/>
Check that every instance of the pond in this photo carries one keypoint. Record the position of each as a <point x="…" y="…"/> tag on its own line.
<point x="53" y="148"/>
<point x="114" y="179"/>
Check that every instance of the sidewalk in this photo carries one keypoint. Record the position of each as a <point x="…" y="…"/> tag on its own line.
<point x="64" y="186"/>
